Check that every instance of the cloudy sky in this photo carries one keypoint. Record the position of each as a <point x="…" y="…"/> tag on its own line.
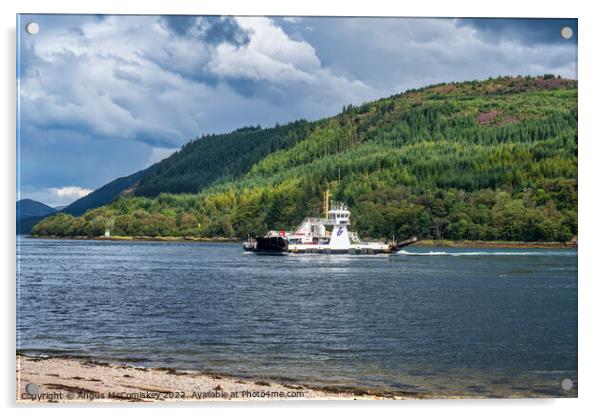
<point x="104" y="96"/>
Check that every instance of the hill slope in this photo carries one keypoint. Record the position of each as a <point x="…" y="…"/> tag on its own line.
<point x="489" y="160"/>
<point x="28" y="208"/>
<point x="218" y="157"/>
<point x="105" y="194"/>
<point x="29" y="213"/>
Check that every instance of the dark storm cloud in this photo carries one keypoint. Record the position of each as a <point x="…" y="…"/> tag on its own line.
<point x="224" y="29"/>
<point x="209" y="32"/>
<point x="53" y="158"/>
<point x="401" y="53"/>
<point x="531" y="31"/>
<point x="179" y="24"/>
<point x="211" y="29"/>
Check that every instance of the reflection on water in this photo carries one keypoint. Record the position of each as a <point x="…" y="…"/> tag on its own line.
<point x="490" y="322"/>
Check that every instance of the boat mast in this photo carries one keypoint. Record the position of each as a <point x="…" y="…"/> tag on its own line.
<point x="326" y="203"/>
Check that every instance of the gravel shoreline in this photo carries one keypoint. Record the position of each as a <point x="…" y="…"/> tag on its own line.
<point x="66" y="380"/>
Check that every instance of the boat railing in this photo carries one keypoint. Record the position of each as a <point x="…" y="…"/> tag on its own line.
<point x="322" y="221"/>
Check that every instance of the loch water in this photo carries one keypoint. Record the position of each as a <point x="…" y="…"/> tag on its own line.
<point x="445" y="322"/>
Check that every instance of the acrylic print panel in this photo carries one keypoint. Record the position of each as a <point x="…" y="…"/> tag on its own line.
<point x="275" y="208"/>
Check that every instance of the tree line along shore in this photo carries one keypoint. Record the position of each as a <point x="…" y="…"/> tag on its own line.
<point x="573" y="244"/>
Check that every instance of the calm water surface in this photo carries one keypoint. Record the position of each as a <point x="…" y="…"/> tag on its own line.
<point x="493" y="322"/>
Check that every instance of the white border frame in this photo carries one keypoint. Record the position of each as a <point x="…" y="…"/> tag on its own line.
<point x="589" y="189"/>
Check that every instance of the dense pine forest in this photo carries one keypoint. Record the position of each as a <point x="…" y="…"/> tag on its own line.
<point x="478" y="160"/>
<point x="218" y="157"/>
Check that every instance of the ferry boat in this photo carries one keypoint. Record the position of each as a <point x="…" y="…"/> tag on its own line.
<point x="327" y="235"/>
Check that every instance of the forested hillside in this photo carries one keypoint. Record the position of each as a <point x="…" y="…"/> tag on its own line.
<point x="218" y="157"/>
<point x="479" y="160"/>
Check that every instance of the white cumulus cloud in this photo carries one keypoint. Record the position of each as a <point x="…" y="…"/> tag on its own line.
<point x="54" y="196"/>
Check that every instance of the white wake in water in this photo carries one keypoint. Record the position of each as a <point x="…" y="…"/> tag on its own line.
<point x="486" y="253"/>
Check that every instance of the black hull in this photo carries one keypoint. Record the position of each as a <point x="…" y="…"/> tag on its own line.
<point x="268" y="245"/>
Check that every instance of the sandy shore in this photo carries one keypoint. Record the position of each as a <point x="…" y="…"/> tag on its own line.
<point x="70" y="380"/>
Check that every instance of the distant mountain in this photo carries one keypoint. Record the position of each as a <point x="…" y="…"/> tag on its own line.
<point x="29" y="213"/>
<point x="105" y="194"/>
<point x="28" y="208"/>
<point x="60" y="207"/>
